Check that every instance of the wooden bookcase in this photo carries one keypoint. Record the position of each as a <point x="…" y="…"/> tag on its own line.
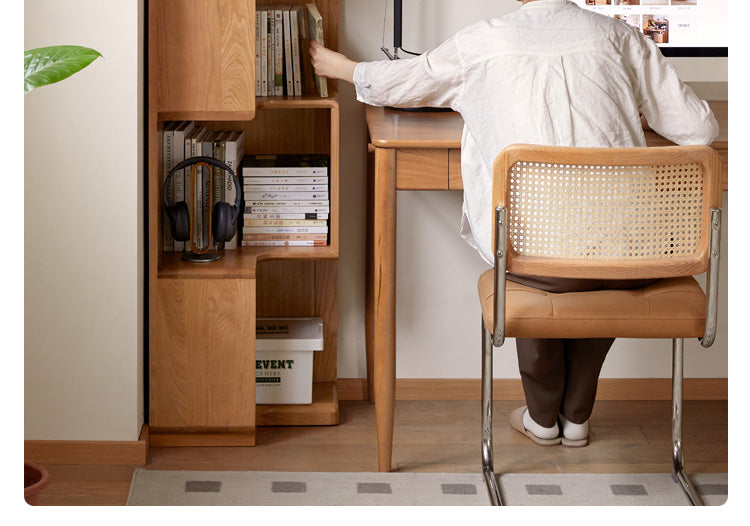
<point x="201" y="316"/>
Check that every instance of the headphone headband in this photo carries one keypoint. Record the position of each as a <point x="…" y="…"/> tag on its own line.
<point x="208" y="160"/>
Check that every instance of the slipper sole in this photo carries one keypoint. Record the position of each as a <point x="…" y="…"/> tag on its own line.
<point x="516" y="422"/>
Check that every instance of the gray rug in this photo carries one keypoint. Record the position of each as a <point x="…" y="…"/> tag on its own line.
<point x="263" y="488"/>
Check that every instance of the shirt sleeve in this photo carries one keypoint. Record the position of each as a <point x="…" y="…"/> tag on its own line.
<point x="432" y="79"/>
<point x="671" y="107"/>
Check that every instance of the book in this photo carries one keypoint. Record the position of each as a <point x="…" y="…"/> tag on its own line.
<point x="266" y="180"/>
<point x="286" y="216"/>
<point x="286" y="243"/>
<point x="270" y="54"/>
<point x="233" y="153"/>
<point x="278" y="52"/>
<point x="182" y="131"/>
<point x="191" y="150"/>
<point x="257" y="70"/>
<point x="286" y="187"/>
<point x="288" y="67"/>
<point x="271" y="202"/>
<point x="295" y="12"/>
<point x="285" y="237"/>
<point x="168" y="163"/>
<point x="285" y="230"/>
<point x="315" y="31"/>
<point x="219" y="176"/>
<point x="285" y="164"/>
<point x="285" y="222"/>
<point x="287" y="209"/>
<point x="263" y="53"/>
<point x="202" y="205"/>
<point x="286" y="196"/>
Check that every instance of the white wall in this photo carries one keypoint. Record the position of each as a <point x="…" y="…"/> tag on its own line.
<point x="438" y="327"/>
<point x="83" y="228"/>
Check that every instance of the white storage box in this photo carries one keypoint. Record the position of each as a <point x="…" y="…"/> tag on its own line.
<point x="284" y="350"/>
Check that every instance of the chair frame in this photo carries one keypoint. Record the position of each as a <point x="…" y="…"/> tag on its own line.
<point x="496" y="337"/>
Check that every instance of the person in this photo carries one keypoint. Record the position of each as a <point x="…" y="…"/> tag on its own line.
<point x="550" y="73"/>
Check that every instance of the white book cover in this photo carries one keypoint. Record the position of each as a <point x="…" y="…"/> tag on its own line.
<point x="278" y="52"/>
<point x="294" y="14"/>
<point x="271" y="58"/>
<point x="263" y="53"/>
<point x="285" y="230"/>
<point x="288" y="209"/>
<point x="285" y="222"/>
<point x="286" y="196"/>
<point x="257" y="55"/>
<point x="270" y="202"/>
<point x="247" y="216"/>
<point x="288" y="66"/>
<point x="286" y="243"/>
<point x="285" y="188"/>
<point x="282" y="171"/>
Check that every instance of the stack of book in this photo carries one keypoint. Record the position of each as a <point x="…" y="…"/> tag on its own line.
<point x="282" y="41"/>
<point x="182" y="140"/>
<point x="287" y="200"/>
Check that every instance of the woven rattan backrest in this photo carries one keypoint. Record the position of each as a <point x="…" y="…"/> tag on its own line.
<point x="625" y="213"/>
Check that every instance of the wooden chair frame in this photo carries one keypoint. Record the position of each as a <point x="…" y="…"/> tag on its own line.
<point x="705" y="259"/>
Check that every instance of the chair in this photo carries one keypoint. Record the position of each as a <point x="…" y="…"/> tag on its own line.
<point x="603" y="213"/>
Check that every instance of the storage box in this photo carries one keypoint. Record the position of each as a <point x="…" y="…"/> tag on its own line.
<point x="284" y="350"/>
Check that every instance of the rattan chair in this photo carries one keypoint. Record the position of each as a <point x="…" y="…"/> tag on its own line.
<point x="601" y="213"/>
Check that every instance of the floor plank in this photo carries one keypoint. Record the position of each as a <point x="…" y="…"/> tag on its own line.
<point x="431" y="436"/>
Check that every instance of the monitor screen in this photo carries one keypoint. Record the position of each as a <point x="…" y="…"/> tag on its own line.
<point x="681" y="28"/>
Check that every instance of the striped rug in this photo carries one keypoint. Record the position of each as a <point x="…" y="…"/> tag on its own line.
<point x="263" y="488"/>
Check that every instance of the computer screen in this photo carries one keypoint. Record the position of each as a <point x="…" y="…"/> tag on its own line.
<point x="681" y="28"/>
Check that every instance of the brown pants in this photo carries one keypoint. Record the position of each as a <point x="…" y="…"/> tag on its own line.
<point x="561" y="375"/>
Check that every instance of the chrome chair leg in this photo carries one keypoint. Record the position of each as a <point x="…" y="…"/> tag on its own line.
<point x="487" y="465"/>
<point x="678" y="462"/>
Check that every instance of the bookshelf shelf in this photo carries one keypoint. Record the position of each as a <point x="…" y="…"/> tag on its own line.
<point x="201" y="387"/>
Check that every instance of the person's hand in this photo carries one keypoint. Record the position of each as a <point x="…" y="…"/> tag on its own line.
<point x="331" y="64"/>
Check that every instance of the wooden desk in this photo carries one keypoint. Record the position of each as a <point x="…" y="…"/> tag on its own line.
<point x="417" y="151"/>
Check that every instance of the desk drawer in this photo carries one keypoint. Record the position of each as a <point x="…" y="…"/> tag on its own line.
<point x="421" y="169"/>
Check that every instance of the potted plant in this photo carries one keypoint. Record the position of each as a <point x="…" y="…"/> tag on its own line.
<point x="42" y="66"/>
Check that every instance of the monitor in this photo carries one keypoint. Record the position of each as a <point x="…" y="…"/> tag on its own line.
<point x="681" y="28"/>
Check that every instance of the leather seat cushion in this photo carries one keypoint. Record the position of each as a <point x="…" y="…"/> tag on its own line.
<point x="669" y="308"/>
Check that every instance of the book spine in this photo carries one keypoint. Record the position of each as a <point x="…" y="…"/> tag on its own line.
<point x="180" y="135"/>
<point x="288" y="209"/>
<point x="286" y="188"/>
<point x="233" y="155"/>
<point x="263" y="53"/>
<point x="282" y="171"/>
<point x="248" y="216"/>
<point x="284" y="237"/>
<point x="258" y="88"/>
<point x="286" y="243"/>
<point x="270" y="202"/>
<point x="272" y="180"/>
<point x="294" y="25"/>
<point x="168" y="161"/>
<point x="271" y="59"/>
<point x="278" y="52"/>
<point x="285" y="230"/>
<point x="286" y="196"/>
<point x="288" y="55"/>
<point x="285" y="222"/>
<point x="219" y="184"/>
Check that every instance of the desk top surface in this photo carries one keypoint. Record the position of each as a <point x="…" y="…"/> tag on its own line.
<point x="405" y="129"/>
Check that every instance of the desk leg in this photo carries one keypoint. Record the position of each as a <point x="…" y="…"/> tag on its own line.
<point x="381" y="300"/>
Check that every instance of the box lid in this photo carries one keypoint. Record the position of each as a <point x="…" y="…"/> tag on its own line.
<point x="289" y="334"/>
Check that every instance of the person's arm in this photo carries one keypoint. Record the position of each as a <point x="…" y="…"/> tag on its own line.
<point x="669" y="106"/>
<point x="431" y="79"/>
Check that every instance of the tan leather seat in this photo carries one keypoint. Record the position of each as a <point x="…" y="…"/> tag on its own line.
<point x="669" y="308"/>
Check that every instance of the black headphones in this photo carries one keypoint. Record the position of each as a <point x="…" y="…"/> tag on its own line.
<point x="224" y="219"/>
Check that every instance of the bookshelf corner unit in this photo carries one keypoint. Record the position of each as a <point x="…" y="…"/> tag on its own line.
<point x="201" y="326"/>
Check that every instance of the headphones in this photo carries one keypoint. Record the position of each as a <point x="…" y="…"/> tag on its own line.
<point x="224" y="215"/>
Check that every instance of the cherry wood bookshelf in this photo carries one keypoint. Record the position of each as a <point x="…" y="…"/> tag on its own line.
<point x="201" y="385"/>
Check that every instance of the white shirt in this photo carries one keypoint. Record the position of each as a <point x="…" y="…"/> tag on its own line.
<point x="550" y="73"/>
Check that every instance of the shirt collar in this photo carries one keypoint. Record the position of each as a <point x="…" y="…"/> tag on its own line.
<point x="539" y="4"/>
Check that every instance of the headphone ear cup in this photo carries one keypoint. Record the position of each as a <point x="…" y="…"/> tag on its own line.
<point x="222" y="222"/>
<point x="180" y="221"/>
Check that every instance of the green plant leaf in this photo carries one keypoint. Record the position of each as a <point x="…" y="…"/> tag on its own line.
<point x="46" y="65"/>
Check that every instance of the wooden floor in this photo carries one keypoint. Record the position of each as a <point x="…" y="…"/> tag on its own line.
<point x="432" y="436"/>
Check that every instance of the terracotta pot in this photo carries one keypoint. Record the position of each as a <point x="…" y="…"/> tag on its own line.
<point x="35" y="479"/>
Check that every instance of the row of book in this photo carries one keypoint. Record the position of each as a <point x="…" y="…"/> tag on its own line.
<point x="286" y="200"/>
<point x="182" y="140"/>
<point x="282" y="40"/>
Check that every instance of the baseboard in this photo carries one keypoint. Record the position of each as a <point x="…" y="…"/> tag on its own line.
<point x="511" y="389"/>
<point x="88" y="452"/>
